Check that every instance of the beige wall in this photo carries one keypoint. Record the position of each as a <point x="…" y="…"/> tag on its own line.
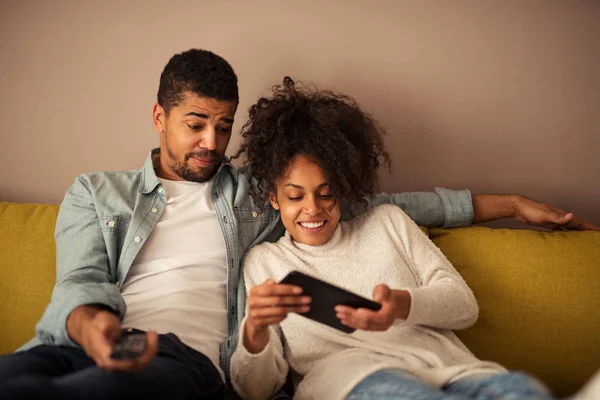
<point x="495" y="96"/>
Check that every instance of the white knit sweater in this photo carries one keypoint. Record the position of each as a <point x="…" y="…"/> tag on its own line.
<point x="381" y="246"/>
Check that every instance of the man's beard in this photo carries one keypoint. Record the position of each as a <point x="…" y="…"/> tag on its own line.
<point x="203" y="174"/>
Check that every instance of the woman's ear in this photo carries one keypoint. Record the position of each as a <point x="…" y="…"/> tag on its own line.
<point x="273" y="200"/>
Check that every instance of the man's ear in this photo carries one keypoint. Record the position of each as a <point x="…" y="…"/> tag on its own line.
<point x="159" y="118"/>
<point x="273" y="200"/>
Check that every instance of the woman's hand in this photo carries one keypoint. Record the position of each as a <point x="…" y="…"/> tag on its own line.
<point x="394" y="304"/>
<point x="269" y="304"/>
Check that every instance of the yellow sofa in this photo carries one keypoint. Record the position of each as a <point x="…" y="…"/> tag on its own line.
<point x="538" y="292"/>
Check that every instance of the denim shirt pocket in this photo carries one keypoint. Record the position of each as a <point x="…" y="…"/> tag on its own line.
<point x="249" y="214"/>
<point x="114" y="224"/>
<point x="114" y="229"/>
<point x="252" y="224"/>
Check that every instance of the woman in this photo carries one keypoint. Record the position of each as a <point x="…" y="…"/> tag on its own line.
<point x="316" y="151"/>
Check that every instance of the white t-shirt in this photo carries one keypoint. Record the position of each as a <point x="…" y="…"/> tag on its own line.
<point x="178" y="280"/>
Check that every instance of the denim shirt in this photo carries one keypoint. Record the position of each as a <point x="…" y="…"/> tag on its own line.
<point x="106" y="217"/>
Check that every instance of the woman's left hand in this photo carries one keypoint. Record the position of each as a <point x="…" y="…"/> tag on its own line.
<point x="394" y="304"/>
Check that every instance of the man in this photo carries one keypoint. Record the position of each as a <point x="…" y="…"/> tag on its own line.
<point x="159" y="250"/>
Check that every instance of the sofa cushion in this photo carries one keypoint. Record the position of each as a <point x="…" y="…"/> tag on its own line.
<point x="27" y="269"/>
<point x="538" y="293"/>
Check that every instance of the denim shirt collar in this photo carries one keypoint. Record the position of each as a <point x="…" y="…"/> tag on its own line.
<point x="150" y="180"/>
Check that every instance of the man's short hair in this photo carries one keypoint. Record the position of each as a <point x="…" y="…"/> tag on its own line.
<point x="200" y="72"/>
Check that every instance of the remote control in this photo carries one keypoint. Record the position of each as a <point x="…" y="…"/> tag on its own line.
<point x="129" y="346"/>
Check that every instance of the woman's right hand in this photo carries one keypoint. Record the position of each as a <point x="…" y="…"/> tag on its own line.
<point x="269" y="304"/>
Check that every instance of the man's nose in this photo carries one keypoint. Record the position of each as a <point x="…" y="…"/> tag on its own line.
<point x="209" y="139"/>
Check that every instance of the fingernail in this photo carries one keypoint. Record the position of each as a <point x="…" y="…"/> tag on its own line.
<point x="306" y="299"/>
<point x="297" y="290"/>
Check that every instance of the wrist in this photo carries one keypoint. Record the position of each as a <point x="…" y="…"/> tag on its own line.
<point x="515" y="201"/>
<point x="255" y="339"/>
<point x="489" y="207"/>
<point x="403" y="300"/>
<point x="79" y="319"/>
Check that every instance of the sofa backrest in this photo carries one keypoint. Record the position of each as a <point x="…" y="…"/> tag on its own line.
<point x="27" y="269"/>
<point x="539" y="296"/>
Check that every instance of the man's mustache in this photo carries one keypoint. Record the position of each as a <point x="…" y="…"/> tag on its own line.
<point x="211" y="155"/>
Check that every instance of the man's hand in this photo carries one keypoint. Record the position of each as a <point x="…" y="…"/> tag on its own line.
<point x="394" y="304"/>
<point x="96" y="330"/>
<point x="269" y="304"/>
<point x="535" y="213"/>
<point x="489" y="207"/>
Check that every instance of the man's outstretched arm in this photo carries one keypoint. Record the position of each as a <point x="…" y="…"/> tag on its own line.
<point x="489" y="207"/>
<point x="456" y="208"/>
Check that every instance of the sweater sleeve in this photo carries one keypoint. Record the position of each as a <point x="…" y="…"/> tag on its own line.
<point x="443" y="299"/>
<point x="258" y="376"/>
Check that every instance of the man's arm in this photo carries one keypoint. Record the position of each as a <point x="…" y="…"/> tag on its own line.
<point x="86" y="307"/>
<point x="82" y="272"/>
<point x="457" y="208"/>
<point x="489" y="207"/>
<point x="444" y="207"/>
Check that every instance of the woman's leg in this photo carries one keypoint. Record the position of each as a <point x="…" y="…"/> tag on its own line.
<point x="507" y="386"/>
<point x="395" y="384"/>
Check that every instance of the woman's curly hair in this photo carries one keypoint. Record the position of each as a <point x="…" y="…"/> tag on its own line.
<point x="327" y="127"/>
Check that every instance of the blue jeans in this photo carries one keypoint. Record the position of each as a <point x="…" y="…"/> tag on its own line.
<point x="58" y="372"/>
<point x="395" y="384"/>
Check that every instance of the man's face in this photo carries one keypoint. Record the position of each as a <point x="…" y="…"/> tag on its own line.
<point x="193" y="137"/>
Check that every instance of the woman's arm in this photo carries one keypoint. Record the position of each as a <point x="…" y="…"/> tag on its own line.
<point x="260" y="375"/>
<point x="441" y="299"/>
<point x="258" y="366"/>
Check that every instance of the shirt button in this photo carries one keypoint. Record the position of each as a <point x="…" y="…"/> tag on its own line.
<point x="137" y="239"/>
<point x="111" y="224"/>
<point x="154" y="210"/>
<point x="225" y="219"/>
<point x="254" y="214"/>
<point x="160" y="189"/>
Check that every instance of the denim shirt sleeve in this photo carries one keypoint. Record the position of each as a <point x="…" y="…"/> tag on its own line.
<point x="444" y="207"/>
<point x="82" y="272"/>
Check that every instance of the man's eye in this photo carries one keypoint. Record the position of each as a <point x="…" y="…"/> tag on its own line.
<point x="195" y="127"/>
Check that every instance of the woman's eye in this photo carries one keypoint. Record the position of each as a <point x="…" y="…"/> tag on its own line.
<point x="326" y="196"/>
<point x="295" y="198"/>
<point x="225" y="130"/>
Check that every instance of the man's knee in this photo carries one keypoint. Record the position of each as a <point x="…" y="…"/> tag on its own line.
<point x="15" y="365"/>
<point x="44" y="361"/>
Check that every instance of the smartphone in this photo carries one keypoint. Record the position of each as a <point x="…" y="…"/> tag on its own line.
<point x="325" y="297"/>
<point x="129" y="346"/>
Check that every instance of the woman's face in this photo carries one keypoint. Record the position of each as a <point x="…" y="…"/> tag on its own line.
<point x="308" y="211"/>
